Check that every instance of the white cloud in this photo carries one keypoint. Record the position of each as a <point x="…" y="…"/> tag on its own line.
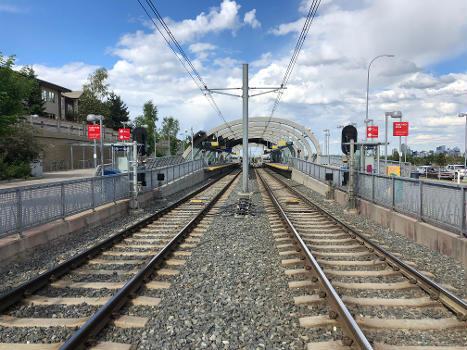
<point x="250" y="18"/>
<point x="328" y="85"/>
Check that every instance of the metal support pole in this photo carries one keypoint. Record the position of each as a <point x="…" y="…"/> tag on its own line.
<point x="245" y="128"/>
<point x="192" y="149"/>
<point x="420" y="198"/>
<point x="351" y="177"/>
<point x="102" y="147"/>
<point x="19" y="212"/>
<point x="62" y="200"/>
<point x="135" y="173"/>
<point x="465" y="149"/>
<point x="377" y="158"/>
<point x="462" y="225"/>
<point x="95" y="155"/>
<point x="71" y="159"/>
<point x="386" y="141"/>
<point x="393" y="191"/>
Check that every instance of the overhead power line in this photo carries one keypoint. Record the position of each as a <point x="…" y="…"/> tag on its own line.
<point x="182" y="56"/>
<point x="293" y="60"/>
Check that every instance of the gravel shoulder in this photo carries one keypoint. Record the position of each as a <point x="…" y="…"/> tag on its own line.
<point x="44" y="258"/>
<point x="445" y="269"/>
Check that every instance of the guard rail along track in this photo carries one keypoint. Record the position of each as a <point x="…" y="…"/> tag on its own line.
<point x="370" y="297"/>
<point x="150" y="244"/>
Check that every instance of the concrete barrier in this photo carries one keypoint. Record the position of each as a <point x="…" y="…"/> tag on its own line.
<point x="433" y="237"/>
<point x="15" y="248"/>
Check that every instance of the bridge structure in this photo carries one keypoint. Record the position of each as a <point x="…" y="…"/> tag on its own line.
<point x="262" y="131"/>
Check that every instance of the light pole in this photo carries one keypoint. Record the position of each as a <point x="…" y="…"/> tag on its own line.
<point x="464" y="115"/>
<point x="326" y="140"/>
<point x="395" y="115"/>
<point x="94" y="118"/>
<point x="192" y="149"/>
<point x="368" y="85"/>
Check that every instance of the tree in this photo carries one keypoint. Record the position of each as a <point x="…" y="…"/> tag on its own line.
<point x="34" y="102"/>
<point x="148" y="118"/>
<point x="17" y="143"/>
<point x="95" y="91"/>
<point x="170" y="128"/>
<point x="118" y="112"/>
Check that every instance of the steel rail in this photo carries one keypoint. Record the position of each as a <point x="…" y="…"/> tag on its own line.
<point x="339" y="310"/>
<point x="93" y="326"/>
<point x="435" y="291"/>
<point x="27" y="288"/>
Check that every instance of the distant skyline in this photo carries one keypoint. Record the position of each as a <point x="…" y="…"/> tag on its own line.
<point x="426" y="80"/>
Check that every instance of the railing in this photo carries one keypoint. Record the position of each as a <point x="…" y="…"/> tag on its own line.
<point x="439" y="203"/>
<point x="29" y="206"/>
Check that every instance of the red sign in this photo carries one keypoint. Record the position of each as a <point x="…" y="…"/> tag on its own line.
<point x="123" y="134"/>
<point x="371" y="132"/>
<point x="94" y="132"/>
<point x="401" y="128"/>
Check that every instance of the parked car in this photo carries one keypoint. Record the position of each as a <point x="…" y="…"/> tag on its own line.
<point x="423" y="169"/>
<point x="456" y="169"/>
<point x="440" y="173"/>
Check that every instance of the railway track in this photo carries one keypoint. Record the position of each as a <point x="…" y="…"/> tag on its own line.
<point x="68" y="306"/>
<point x="353" y="290"/>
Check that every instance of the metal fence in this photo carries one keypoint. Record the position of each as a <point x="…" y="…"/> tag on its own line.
<point x="29" y="206"/>
<point x="439" y="203"/>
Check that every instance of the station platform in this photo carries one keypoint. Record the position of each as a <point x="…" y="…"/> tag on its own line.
<point x="221" y="166"/>
<point x="281" y="169"/>
<point x="54" y="176"/>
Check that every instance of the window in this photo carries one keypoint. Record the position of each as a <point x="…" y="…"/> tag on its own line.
<point x="44" y="95"/>
<point x="51" y="96"/>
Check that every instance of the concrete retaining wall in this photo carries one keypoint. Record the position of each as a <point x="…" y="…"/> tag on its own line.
<point x="435" y="238"/>
<point x="15" y="248"/>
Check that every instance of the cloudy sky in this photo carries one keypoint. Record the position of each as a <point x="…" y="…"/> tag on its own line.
<point x="65" y="41"/>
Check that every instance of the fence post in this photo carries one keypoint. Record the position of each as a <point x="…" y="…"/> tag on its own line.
<point x="62" y="199"/>
<point x="19" y="212"/>
<point x="462" y="223"/>
<point x="393" y="192"/>
<point x="93" y="201"/>
<point x="373" y="188"/>
<point x="150" y="175"/>
<point x="114" y="186"/>
<point x="420" y="198"/>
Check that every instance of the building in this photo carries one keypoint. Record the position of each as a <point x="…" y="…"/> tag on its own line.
<point x="441" y="149"/>
<point x="60" y="103"/>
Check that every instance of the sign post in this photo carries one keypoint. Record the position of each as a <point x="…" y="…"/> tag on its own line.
<point x="94" y="133"/>
<point x="401" y="129"/>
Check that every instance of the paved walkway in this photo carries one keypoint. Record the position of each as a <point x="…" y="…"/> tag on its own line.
<point x="50" y="177"/>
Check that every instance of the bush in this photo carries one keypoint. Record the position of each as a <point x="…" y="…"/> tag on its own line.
<point x="17" y="169"/>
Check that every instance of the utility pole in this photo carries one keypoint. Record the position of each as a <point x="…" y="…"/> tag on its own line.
<point x="245" y="99"/>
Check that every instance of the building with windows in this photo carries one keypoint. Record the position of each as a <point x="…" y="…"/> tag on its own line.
<point x="60" y="103"/>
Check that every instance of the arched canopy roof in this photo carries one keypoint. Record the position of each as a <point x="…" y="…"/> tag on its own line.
<point x="277" y="129"/>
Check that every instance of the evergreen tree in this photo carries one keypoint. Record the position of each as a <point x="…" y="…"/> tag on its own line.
<point x="148" y="118"/>
<point x="118" y="112"/>
<point x="170" y="128"/>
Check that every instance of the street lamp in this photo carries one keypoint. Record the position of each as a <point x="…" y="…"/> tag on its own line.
<point x="326" y="140"/>
<point x="395" y="115"/>
<point x="94" y="118"/>
<point x="368" y="86"/>
<point x="464" y="115"/>
<point x="192" y="149"/>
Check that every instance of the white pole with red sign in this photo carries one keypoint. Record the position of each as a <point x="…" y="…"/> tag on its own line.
<point x="401" y="129"/>
<point x="94" y="133"/>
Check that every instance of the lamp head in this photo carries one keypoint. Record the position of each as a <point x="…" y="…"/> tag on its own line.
<point x="462" y="115"/>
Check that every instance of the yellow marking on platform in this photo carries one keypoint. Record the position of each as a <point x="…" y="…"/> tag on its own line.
<point x="9" y="321"/>
<point x="131" y="321"/>
<point x="196" y="201"/>
<point x="292" y="201"/>
<point x="278" y="166"/>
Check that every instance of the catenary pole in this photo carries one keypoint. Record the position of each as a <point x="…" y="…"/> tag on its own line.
<point x="245" y="128"/>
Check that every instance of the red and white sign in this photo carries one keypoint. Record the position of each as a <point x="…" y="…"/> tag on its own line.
<point x="401" y="128"/>
<point x="94" y="132"/>
<point x="371" y="132"/>
<point x="123" y="134"/>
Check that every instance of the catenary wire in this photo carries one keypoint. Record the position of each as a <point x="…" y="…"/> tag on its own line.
<point x="293" y="60"/>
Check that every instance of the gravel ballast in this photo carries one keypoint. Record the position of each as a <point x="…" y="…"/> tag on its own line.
<point x="46" y="257"/>
<point x="445" y="269"/>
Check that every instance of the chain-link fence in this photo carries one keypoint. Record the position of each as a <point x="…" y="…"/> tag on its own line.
<point x="29" y="206"/>
<point x="434" y="202"/>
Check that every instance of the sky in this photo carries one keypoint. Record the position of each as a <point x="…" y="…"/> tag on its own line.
<point x="65" y="41"/>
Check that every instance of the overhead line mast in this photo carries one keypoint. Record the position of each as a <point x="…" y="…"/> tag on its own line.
<point x="184" y="59"/>
<point x="298" y="46"/>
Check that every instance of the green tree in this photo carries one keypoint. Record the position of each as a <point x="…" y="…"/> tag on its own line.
<point x="149" y="118"/>
<point x="34" y="102"/>
<point x="92" y="101"/>
<point x="170" y="128"/>
<point x="118" y="111"/>
<point x="17" y="143"/>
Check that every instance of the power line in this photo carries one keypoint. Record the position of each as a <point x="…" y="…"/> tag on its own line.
<point x="293" y="60"/>
<point x="184" y="59"/>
